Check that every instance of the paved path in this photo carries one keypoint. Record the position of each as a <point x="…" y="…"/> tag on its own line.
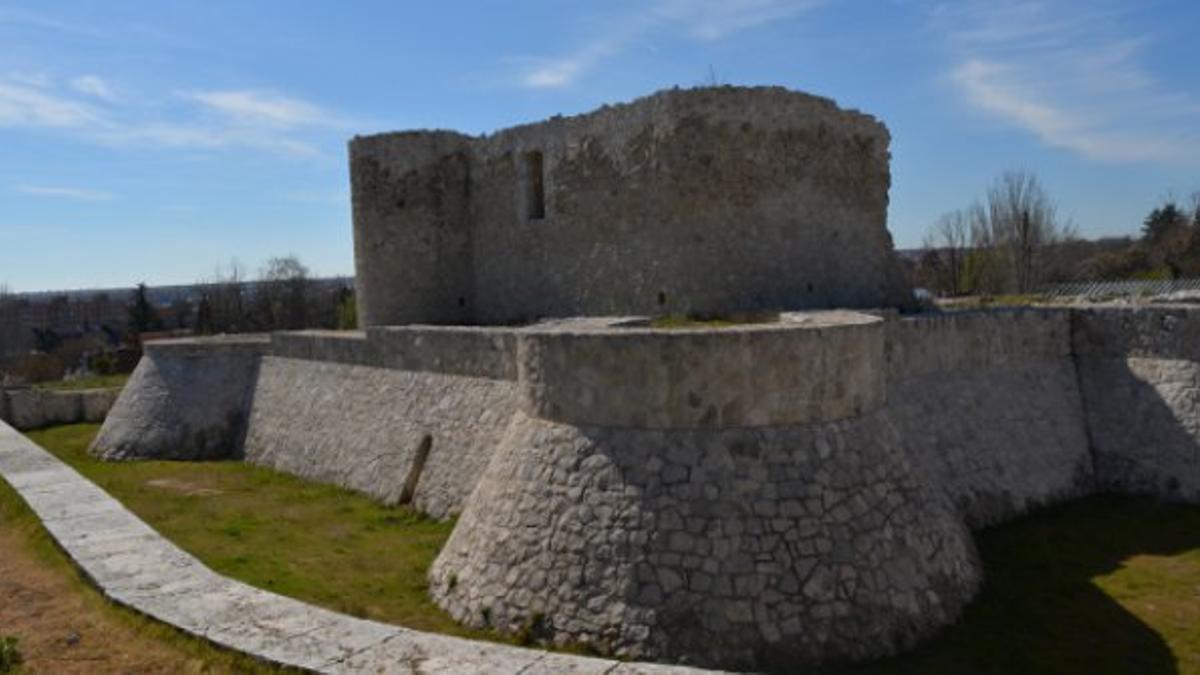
<point x="135" y="566"/>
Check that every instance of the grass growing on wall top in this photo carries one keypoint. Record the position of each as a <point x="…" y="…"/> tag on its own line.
<point x="678" y="321"/>
<point x="92" y="382"/>
<point x="1105" y="585"/>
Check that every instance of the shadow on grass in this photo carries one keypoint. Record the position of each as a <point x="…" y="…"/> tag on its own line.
<point x="1049" y="601"/>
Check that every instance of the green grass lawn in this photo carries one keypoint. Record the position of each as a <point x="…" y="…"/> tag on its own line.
<point x="93" y="382"/>
<point x="1101" y="585"/>
<point x="147" y="645"/>
<point x="318" y="543"/>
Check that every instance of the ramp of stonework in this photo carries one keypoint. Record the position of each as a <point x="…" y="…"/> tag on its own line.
<point x="135" y="566"/>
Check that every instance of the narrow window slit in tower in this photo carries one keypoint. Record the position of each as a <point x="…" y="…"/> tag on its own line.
<point x="536" y="199"/>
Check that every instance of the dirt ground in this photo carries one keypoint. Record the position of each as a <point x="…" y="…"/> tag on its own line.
<point x="65" y="627"/>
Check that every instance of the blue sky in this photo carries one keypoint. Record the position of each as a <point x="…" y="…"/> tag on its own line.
<point x="154" y="141"/>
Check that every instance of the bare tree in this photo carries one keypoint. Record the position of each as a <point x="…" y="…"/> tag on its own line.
<point x="13" y="336"/>
<point x="1023" y="225"/>
<point x="981" y="270"/>
<point x="949" y="238"/>
<point x="284" y="294"/>
<point x="222" y="306"/>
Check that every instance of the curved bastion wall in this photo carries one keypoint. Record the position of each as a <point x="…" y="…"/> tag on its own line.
<point x="795" y="491"/>
<point x="739" y="499"/>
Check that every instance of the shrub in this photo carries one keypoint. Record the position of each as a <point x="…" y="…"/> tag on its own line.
<point x="10" y="656"/>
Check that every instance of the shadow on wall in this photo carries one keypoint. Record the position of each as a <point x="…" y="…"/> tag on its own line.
<point x="1144" y="420"/>
<point x="1047" y="603"/>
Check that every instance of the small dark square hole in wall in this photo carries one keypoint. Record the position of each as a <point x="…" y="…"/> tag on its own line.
<point x="535" y="176"/>
<point x="662" y="298"/>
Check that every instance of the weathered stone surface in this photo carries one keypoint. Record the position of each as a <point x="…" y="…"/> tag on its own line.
<point x="31" y="408"/>
<point x="989" y="405"/>
<point x="134" y="566"/>
<point x="703" y="200"/>
<point x="804" y="368"/>
<point x="363" y="428"/>
<point x="187" y="399"/>
<point x="599" y="497"/>
<point x="1140" y="374"/>
<point x="669" y="545"/>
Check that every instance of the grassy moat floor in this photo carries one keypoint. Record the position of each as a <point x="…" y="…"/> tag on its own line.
<point x="1102" y="585"/>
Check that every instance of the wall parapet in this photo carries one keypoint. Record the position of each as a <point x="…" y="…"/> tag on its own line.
<point x="805" y="368"/>
<point x="1164" y="332"/>
<point x="929" y="344"/>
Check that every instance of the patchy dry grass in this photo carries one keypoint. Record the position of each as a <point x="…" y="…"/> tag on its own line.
<point x="317" y="543"/>
<point x="64" y="626"/>
<point x="93" y="382"/>
<point x="1104" y="585"/>
<point x="681" y="321"/>
<point x="975" y="302"/>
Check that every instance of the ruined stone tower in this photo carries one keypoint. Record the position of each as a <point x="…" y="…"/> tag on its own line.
<point x="699" y="201"/>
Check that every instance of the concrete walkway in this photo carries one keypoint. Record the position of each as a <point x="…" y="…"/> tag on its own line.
<point x="134" y="566"/>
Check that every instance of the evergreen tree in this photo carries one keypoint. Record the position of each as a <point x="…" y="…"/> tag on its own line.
<point x="204" y="316"/>
<point x="143" y="317"/>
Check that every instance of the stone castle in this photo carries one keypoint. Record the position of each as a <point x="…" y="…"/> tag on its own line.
<point x="796" y="489"/>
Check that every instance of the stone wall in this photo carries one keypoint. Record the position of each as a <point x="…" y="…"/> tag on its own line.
<point x="1140" y="373"/>
<point x="771" y="493"/>
<point x="187" y="399"/>
<point x="400" y="436"/>
<point x="804" y="368"/>
<point x="412" y="239"/>
<point x="738" y="548"/>
<point x="31" y="408"/>
<point x="687" y="201"/>
<point x="989" y="404"/>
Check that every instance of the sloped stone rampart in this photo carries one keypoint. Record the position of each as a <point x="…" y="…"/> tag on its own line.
<point x="187" y="399"/>
<point x="362" y="427"/>
<point x="735" y="548"/>
<point x="988" y="403"/>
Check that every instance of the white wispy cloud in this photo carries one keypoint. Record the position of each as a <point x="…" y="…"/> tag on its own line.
<point x="696" y="19"/>
<point x="1071" y="74"/>
<point x="44" y="22"/>
<point x="715" y="19"/>
<point x="93" y="85"/>
<point x="31" y="105"/>
<point x="65" y="192"/>
<point x="87" y="107"/>
<point x="263" y="107"/>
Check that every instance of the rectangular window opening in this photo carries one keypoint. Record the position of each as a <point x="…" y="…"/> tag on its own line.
<point x="536" y="199"/>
